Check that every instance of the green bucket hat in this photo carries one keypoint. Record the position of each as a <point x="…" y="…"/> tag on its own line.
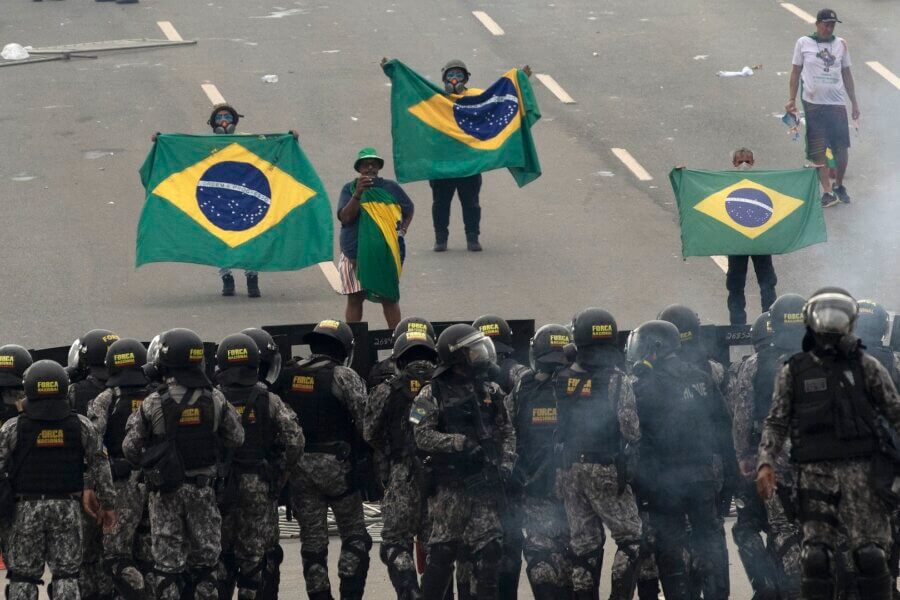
<point x="367" y="153"/>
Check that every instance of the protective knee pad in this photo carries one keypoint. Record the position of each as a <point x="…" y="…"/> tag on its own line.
<point x="591" y="562"/>
<point x="203" y="580"/>
<point x="126" y="578"/>
<point x="13" y="577"/>
<point x="400" y="578"/>
<point x="352" y="585"/>
<point x="58" y="578"/>
<point x="310" y="560"/>
<point x="873" y="576"/>
<point x="537" y="561"/>
<point x="169" y="585"/>
<point x="249" y="579"/>
<point x="816" y="575"/>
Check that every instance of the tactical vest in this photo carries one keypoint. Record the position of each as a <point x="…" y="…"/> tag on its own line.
<point x="468" y="414"/>
<point x="535" y="423"/>
<point x="588" y="416"/>
<point x="259" y="431"/>
<point x="831" y="411"/>
<point x="49" y="456"/>
<point x="404" y="389"/>
<point x="125" y="401"/>
<point x="381" y="372"/>
<point x="324" y="419"/>
<point x="85" y="391"/>
<point x="769" y="361"/>
<point x="885" y="356"/>
<point x="195" y="437"/>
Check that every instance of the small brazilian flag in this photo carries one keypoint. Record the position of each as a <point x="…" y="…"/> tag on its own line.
<point x="245" y="201"/>
<point x="438" y="135"/>
<point x="741" y="212"/>
<point x="378" y="263"/>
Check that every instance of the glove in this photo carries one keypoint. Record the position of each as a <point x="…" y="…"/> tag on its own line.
<point x="473" y="453"/>
<point x="765" y="482"/>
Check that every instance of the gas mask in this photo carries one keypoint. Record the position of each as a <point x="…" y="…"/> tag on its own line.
<point x="744" y="166"/>
<point x="224" y="123"/>
<point x="455" y="81"/>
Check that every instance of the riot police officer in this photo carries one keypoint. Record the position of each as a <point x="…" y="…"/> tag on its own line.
<point x="329" y="399"/>
<point x="692" y="349"/>
<point x="175" y="437"/>
<point x="126" y="388"/>
<point x="14" y="360"/>
<point x="389" y="431"/>
<point x="872" y="327"/>
<point x="251" y="475"/>
<point x="50" y="454"/>
<point x="597" y="419"/>
<point x="500" y="333"/>
<point x="386" y="369"/>
<point x="462" y="425"/>
<point x="835" y="401"/>
<point x="87" y="363"/>
<point x="533" y="409"/>
<point x="269" y="355"/>
<point x="752" y="393"/>
<point x="685" y="437"/>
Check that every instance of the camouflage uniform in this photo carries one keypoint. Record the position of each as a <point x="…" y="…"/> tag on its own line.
<point x="594" y="494"/>
<point x="775" y="516"/>
<point x="249" y="526"/>
<point x="50" y="530"/>
<point x="131" y="501"/>
<point x="387" y="416"/>
<point x="463" y="521"/>
<point x="324" y="478"/>
<point x="837" y="496"/>
<point x="11" y="400"/>
<point x="185" y="523"/>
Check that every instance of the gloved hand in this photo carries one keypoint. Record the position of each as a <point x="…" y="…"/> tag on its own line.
<point x="765" y="482"/>
<point x="473" y="453"/>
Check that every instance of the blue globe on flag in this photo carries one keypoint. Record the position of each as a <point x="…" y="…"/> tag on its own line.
<point x="486" y="115"/>
<point x="749" y="207"/>
<point x="234" y="196"/>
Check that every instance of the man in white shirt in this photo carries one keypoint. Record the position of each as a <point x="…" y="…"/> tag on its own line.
<point x="822" y="62"/>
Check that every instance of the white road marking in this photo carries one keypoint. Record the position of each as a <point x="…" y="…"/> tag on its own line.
<point x="799" y="12"/>
<point x="633" y="165"/>
<point x="721" y="262"/>
<point x="884" y="72"/>
<point x="212" y="92"/>
<point x="331" y="274"/>
<point x="554" y="87"/>
<point x="488" y="22"/>
<point x="171" y="34"/>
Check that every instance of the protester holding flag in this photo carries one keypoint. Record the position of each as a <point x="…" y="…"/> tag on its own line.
<point x="375" y="214"/>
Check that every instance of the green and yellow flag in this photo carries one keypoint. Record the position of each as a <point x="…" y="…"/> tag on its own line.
<point x="741" y="212"/>
<point x="378" y="263"/>
<point x="245" y="201"/>
<point x="438" y="135"/>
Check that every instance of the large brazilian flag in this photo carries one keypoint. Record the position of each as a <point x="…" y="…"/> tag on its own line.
<point x="746" y="213"/>
<point x="378" y="263"/>
<point x="246" y="201"/>
<point x="438" y="135"/>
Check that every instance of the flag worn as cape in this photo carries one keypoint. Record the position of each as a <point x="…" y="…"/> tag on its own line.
<point x="438" y="135"/>
<point x="378" y="263"/>
<point x="246" y="201"/>
<point x="747" y="212"/>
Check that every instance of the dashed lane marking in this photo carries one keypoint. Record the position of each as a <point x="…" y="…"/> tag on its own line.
<point x="554" y="87"/>
<point x="212" y="92"/>
<point x="634" y="166"/>
<point x="721" y="261"/>
<point x="331" y="274"/>
<point x="169" y="31"/>
<point x="798" y="11"/>
<point x="488" y="22"/>
<point x="884" y="72"/>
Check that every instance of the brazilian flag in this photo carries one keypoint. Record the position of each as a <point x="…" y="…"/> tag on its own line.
<point x="378" y="262"/>
<point x="438" y="135"/>
<point x="741" y="212"/>
<point x="246" y="201"/>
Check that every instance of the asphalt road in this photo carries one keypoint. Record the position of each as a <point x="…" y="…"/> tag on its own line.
<point x="73" y="135"/>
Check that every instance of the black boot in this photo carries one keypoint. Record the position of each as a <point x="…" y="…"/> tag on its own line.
<point x="440" y="243"/>
<point x="253" y="286"/>
<point x="648" y="589"/>
<point x="472" y="244"/>
<point x="227" y="285"/>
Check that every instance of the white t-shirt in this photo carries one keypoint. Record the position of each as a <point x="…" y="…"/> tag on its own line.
<point x="822" y="64"/>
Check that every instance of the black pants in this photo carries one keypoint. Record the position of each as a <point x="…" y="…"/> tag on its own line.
<point x="736" y="278"/>
<point x="442" y="191"/>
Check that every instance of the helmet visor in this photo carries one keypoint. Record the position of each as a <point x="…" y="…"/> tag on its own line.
<point x="274" y="371"/>
<point x="153" y="351"/>
<point x="479" y="349"/>
<point x="831" y="313"/>
<point x="74" y="352"/>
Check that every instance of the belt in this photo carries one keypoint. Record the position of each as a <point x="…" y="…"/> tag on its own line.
<point x="69" y="496"/>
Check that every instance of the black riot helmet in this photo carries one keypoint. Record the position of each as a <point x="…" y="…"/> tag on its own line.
<point x="761" y="331"/>
<point x="872" y="324"/>
<point x="594" y="327"/>
<point x="89" y="351"/>
<point x="269" y="354"/>
<point x="414" y="346"/>
<point x="180" y="355"/>
<point x="332" y="338"/>
<point x="788" y="327"/>
<point x="237" y="360"/>
<point x="547" y="347"/>
<point x="830" y="311"/>
<point x="124" y="363"/>
<point x="685" y="320"/>
<point x="498" y="330"/>
<point x="652" y="341"/>
<point x="14" y="359"/>
<point x="46" y="385"/>
<point x="411" y="324"/>
<point x="463" y="345"/>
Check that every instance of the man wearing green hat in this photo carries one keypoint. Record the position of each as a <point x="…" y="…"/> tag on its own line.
<point x="369" y="187"/>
